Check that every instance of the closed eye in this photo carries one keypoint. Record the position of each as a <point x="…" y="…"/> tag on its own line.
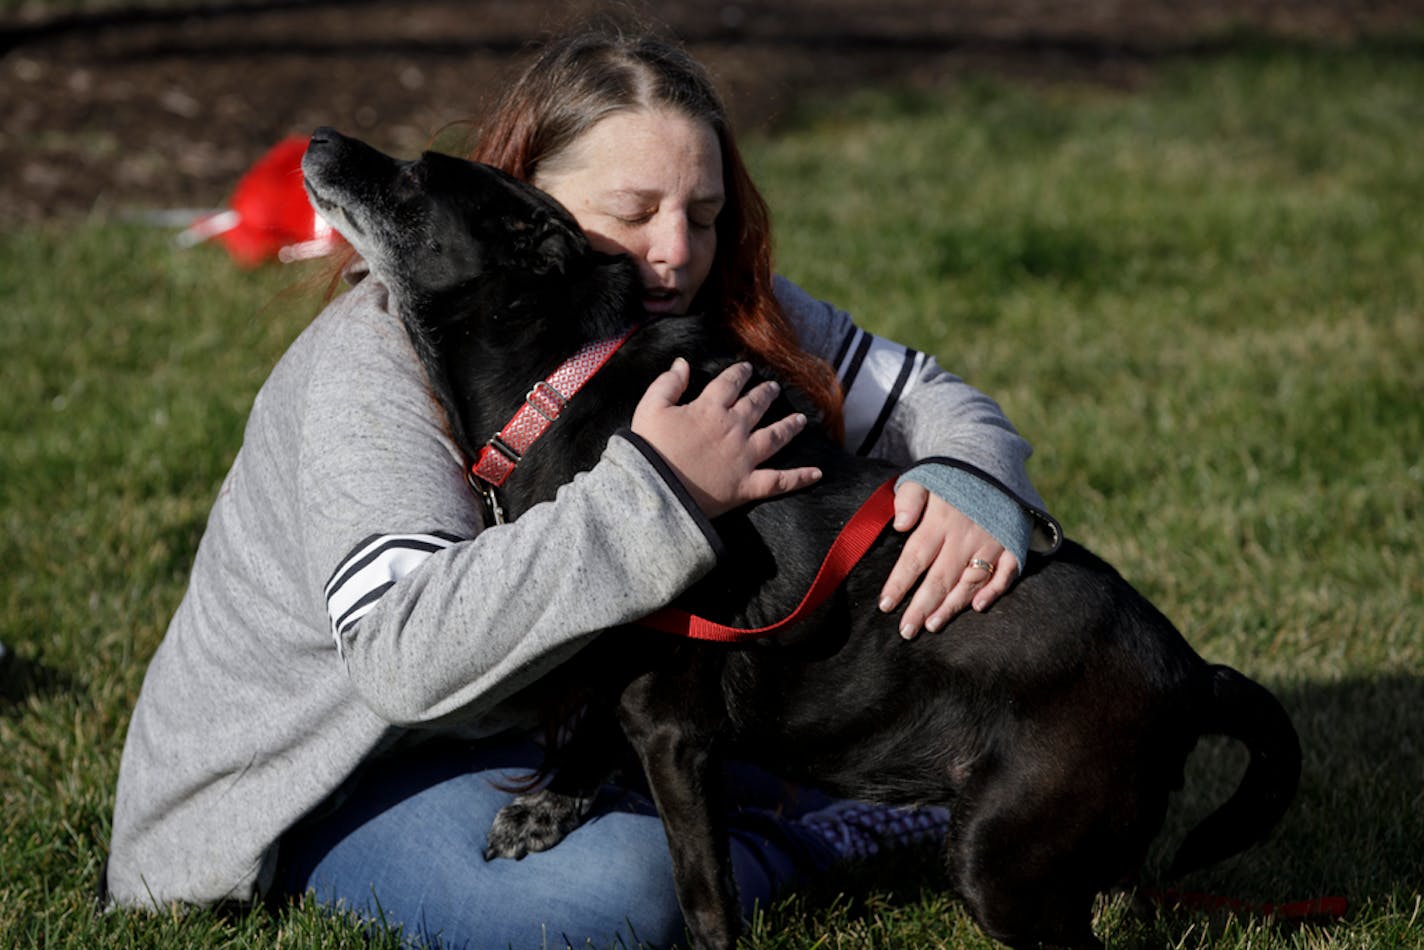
<point x="703" y="214"/>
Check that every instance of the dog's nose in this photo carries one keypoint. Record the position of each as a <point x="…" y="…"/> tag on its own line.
<point x="324" y="135"/>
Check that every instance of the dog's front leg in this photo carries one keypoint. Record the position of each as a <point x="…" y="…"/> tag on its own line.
<point x="670" y="731"/>
<point x="539" y="819"/>
<point x="535" y="821"/>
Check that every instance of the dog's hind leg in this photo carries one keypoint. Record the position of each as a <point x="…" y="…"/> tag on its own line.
<point x="1022" y="861"/>
<point x="679" y="759"/>
<point x="1018" y="910"/>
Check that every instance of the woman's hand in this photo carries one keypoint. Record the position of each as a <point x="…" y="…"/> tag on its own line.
<point x="945" y="553"/>
<point x="712" y="442"/>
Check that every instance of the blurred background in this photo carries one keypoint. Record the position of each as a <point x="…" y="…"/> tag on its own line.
<point x="116" y="104"/>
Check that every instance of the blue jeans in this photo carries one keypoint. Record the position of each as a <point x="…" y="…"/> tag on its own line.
<point x="404" y="848"/>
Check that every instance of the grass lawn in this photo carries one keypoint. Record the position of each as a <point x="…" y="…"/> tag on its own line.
<point x="1202" y="300"/>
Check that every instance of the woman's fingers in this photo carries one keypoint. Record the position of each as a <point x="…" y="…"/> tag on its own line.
<point x="713" y="443"/>
<point x="770" y="482"/>
<point x="919" y="550"/>
<point x="969" y="581"/>
<point x="725" y="389"/>
<point x="716" y="445"/>
<point x="666" y="389"/>
<point x="1006" y="571"/>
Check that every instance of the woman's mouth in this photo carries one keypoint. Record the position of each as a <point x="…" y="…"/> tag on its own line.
<point x="661" y="300"/>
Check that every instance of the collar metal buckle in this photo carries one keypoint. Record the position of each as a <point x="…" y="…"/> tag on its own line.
<point x="556" y="400"/>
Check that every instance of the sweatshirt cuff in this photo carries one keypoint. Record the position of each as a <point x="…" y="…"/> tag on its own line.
<point x="986" y="505"/>
<point x="679" y="490"/>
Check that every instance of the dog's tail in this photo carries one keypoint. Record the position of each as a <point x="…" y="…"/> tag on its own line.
<point x="1239" y="708"/>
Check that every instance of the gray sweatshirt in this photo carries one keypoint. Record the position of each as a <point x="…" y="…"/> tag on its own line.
<point x="346" y="596"/>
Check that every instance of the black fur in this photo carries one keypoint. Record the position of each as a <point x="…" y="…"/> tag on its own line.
<point x="1054" y="726"/>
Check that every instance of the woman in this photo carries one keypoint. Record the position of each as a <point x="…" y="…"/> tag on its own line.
<point x="265" y="760"/>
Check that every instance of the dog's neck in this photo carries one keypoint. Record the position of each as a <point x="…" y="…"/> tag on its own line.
<point x="512" y="333"/>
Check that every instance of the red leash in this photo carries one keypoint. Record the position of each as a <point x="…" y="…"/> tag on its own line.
<point x="846" y="551"/>
<point x="1318" y="908"/>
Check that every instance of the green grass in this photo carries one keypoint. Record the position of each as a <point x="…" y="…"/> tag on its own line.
<point x="1202" y="301"/>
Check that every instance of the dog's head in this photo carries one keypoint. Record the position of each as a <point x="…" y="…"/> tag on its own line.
<point x="440" y="231"/>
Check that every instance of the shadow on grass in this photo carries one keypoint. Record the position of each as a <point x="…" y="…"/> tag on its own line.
<point x="22" y="678"/>
<point x="1357" y="823"/>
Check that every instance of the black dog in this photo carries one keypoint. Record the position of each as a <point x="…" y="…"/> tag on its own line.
<point x="1054" y="726"/>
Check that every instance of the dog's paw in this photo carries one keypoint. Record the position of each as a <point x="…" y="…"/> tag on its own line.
<point x="534" y="822"/>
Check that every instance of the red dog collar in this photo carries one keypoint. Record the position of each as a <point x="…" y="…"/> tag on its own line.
<point x="542" y="405"/>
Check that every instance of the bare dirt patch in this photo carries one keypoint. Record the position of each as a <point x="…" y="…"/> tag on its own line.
<point x="111" y="107"/>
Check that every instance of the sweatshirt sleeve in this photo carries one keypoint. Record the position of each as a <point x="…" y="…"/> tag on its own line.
<point x="900" y="405"/>
<point x="471" y="623"/>
<point x="434" y="616"/>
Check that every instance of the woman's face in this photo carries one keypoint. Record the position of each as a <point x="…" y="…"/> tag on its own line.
<point x="649" y="184"/>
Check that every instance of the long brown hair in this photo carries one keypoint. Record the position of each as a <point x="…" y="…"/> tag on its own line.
<point x="577" y="81"/>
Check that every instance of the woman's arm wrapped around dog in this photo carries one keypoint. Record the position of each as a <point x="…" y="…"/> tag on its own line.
<point x="477" y="621"/>
<point x="968" y="501"/>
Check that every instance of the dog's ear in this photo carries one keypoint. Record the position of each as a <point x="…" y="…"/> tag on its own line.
<point x="552" y="247"/>
<point x="538" y="247"/>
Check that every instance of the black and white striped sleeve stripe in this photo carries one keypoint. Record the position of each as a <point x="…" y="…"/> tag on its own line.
<point x="371" y="569"/>
<point x="874" y="374"/>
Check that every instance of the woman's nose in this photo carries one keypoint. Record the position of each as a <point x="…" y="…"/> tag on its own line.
<point x="670" y="241"/>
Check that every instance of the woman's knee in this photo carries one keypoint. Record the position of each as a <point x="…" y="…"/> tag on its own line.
<point x="608" y="884"/>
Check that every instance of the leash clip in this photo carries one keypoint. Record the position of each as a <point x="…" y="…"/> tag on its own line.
<point x="492" y="503"/>
<point x="486" y="491"/>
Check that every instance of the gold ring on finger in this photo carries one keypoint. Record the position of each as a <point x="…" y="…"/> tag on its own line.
<point x="982" y="564"/>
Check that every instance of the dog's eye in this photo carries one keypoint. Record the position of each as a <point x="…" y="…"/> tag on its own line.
<point x="433" y="246"/>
